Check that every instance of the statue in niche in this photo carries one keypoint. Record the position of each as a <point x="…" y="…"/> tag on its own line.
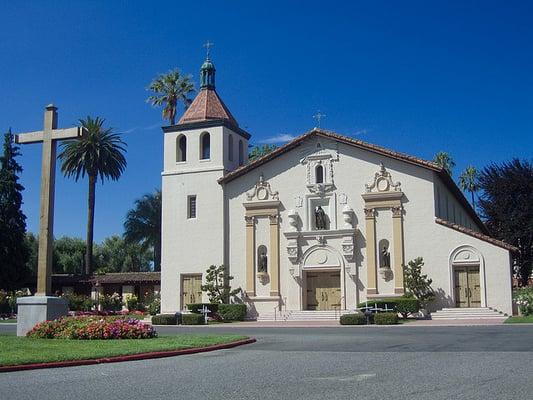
<point x="320" y="219"/>
<point x="385" y="258"/>
<point x="262" y="260"/>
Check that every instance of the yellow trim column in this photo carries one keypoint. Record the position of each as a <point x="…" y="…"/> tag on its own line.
<point x="371" y="283"/>
<point x="250" y="247"/>
<point x="274" y="255"/>
<point x="397" y="236"/>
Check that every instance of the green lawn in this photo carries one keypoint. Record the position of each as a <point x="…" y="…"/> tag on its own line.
<point x="520" y="320"/>
<point x="8" y="321"/>
<point x="15" y="350"/>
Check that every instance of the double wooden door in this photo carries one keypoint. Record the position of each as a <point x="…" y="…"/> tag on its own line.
<point x="467" y="287"/>
<point x="191" y="290"/>
<point x="323" y="291"/>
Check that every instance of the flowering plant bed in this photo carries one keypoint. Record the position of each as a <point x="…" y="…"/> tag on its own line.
<point x="93" y="327"/>
<point x="130" y="314"/>
<point x="23" y="351"/>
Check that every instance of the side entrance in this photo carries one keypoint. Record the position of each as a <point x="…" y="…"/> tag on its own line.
<point x="323" y="291"/>
<point x="191" y="290"/>
<point x="467" y="286"/>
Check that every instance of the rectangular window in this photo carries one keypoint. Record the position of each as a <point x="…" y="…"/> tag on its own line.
<point x="191" y="207"/>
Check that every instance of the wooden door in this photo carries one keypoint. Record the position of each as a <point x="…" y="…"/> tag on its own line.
<point x="334" y="292"/>
<point x="323" y="291"/>
<point x="467" y="287"/>
<point x="312" y="295"/>
<point x="474" y="288"/>
<point x="191" y="290"/>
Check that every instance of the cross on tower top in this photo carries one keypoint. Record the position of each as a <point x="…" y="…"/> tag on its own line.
<point x="208" y="46"/>
<point x="318" y="116"/>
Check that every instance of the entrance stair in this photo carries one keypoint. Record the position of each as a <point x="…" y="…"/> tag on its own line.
<point x="296" y="315"/>
<point x="468" y="313"/>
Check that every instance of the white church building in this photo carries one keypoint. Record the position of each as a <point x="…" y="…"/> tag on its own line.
<point x="321" y="223"/>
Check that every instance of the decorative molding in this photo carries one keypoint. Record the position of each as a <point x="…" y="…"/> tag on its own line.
<point x="370" y="213"/>
<point x="274" y="219"/>
<point x="249" y="220"/>
<point x="298" y="201"/>
<point x="383" y="182"/>
<point x="343" y="199"/>
<point x="348" y="216"/>
<point x="262" y="191"/>
<point x="322" y="241"/>
<point x="397" y="211"/>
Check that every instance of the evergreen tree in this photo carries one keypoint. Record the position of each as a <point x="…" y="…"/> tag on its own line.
<point x="260" y="151"/>
<point x="13" y="250"/>
<point x="506" y="204"/>
<point x="445" y="161"/>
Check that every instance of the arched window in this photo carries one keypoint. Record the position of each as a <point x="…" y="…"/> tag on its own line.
<point x="241" y="153"/>
<point x="205" y="146"/>
<point x="181" y="148"/>
<point x="230" y="147"/>
<point x="319" y="173"/>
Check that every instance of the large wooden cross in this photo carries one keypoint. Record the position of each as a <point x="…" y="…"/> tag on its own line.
<point x="49" y="137"/>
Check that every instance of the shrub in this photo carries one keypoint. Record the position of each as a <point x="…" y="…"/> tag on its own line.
<point x="165" y="319"/>
<point x="386" y="318"/>
<point x="524" y="300"/>
<point x="353" y="319"/>
<point x="79" y="302"/>
<point x="153" y="304"/>
<point x="192" y="319"/>
<point x="91" y="328"/>
<point x="110" y="302"/>
<point x="232" y="312"/>
<point x="197" y="307"/>
<point x="133" y="304"/>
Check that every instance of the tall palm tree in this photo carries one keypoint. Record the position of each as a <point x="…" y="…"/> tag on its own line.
<point x="99" y="154"/>
<point x="445" y="161"/>
<point x="469" y="181"/>
<point x="169" y="89"/>
<point x="143" y="225"/>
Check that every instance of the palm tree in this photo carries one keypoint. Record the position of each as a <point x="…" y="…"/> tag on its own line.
<point x="143" y="225"/>
<point x="445" y="161"/>
<point x="468" y="181"/>
<point x="169" y="89"/>
<point x="100" y="153"/>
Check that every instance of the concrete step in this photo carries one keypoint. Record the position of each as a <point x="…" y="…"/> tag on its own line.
<point x="468" y="313"/>
<point x="299" y="315"/>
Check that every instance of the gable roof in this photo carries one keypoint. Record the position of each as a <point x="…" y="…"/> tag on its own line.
<point x="441" y="172"/>
<point x="207" y="105"/>
<point x="477" y="235"/>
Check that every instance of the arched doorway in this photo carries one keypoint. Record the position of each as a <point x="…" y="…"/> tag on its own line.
<point x="467" y="277"/>
<point x="323" y="279"/>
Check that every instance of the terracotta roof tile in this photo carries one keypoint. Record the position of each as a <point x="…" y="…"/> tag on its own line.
<point x="206" y="106"/>
<point x="477" y="235"/>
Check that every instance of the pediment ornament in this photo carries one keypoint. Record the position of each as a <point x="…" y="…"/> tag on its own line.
<point x="262" y="191"/>
<point x="383" y="182"/>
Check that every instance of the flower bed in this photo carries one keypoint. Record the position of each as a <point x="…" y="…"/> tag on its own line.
<point x="93" y="327"/>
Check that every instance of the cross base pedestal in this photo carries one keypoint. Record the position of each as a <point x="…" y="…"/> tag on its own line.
<point x="34" y="309"/>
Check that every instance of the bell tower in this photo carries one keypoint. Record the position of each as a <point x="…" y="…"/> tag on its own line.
<point x="202" y="147"/>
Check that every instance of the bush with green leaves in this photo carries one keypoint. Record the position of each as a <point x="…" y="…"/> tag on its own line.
<point x="217" y="285"/>
<point x="133" y="304"/>
<point x="386" y="318"/>
<point x="353" y="319"/>
<point x="153" y="304"/>
<point x="404" y="305"/>
<point x="524" y="300"/>
<point x="232" y="312"/>
<point x="165" y="319"/>
<point x="79" y="302"/>
<point x="110" y="302"/>
<point x="416" y="283"/>
<point x="192" y="319"/>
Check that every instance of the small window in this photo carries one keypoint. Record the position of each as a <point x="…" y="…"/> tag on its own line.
<point x="241" y="153"/>
<point x="205" y="146"/>
<point x="230" y="147"/>
<point x="181" y="148"/>
<point x="191" y="207"/>
<point x="319" y="172"/>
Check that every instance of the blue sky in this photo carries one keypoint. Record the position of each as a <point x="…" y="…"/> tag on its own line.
<point x="418" y="77"/>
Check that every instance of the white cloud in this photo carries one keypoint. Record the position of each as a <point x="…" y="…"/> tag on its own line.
<point x="281" y="138"/>
<point x="142" y="128"/>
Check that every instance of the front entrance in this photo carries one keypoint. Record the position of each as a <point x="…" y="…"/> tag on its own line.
<point x="323" y="291"/>
<point x="191" y="290"/>
<point x="467" y="287"/>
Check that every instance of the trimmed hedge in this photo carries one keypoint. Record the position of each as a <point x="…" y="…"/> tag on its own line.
<point x="232" y="312"/>
<point x="386" y="318"/>
<point x="353" y="319"/>
<point x="192" y="319"/>
<point x="403" y="305"/>
<point x="197" y="307"/>
<point x="165" y="319"/>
